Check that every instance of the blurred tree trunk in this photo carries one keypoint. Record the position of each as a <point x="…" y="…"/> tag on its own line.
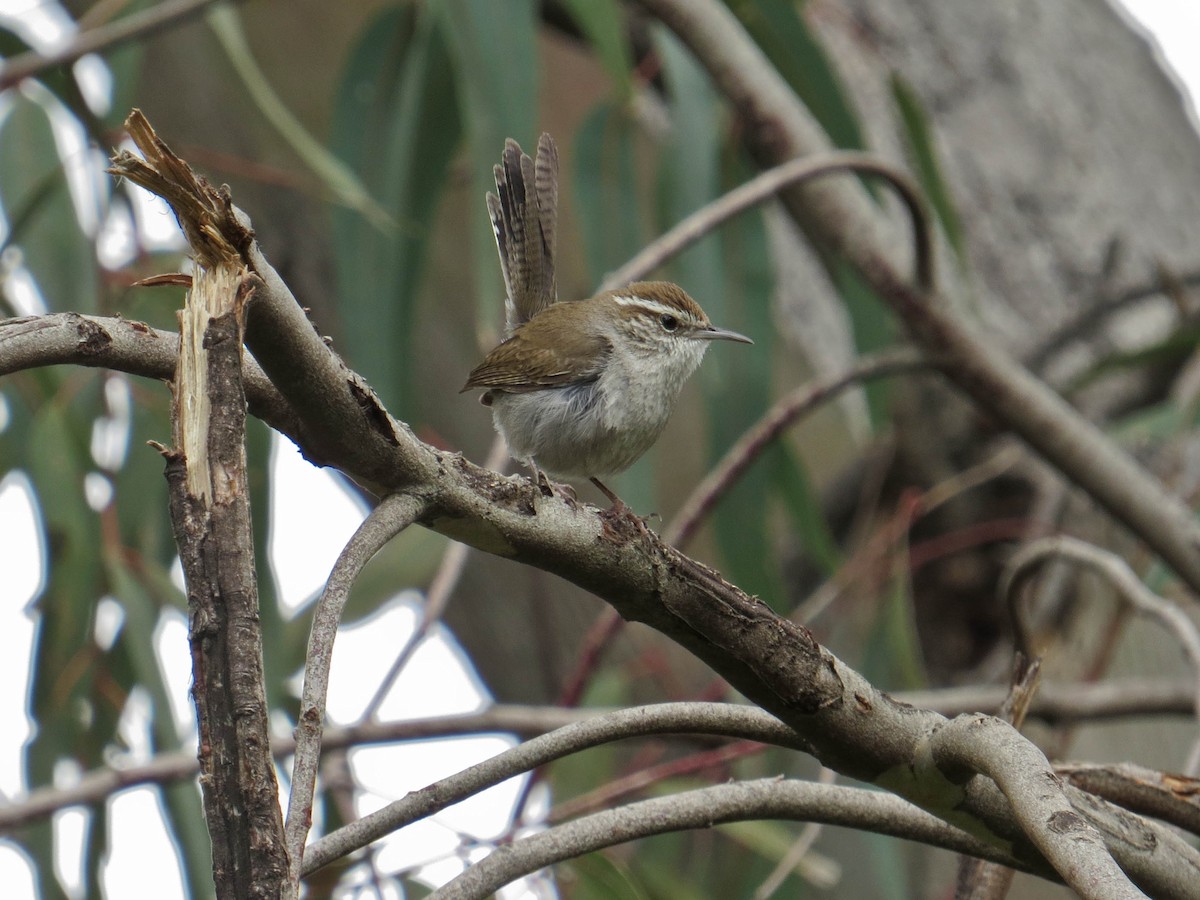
<point x="1073" y="166"/>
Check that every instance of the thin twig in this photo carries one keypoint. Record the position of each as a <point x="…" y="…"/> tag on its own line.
<point x="437" y="598"/>
<point x="750" y="445"/>
<point x="693" y="718"/>
<point x="395" y="513"/>
<point x="778" y="127"/>
<point x="1128" y="586"/>
<point x="765" y="186"/>
<point x="137" y="25"/>
<point x="769" y="798"/>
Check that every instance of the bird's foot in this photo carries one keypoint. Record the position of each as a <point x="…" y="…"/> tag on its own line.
<point x="619" y="509"/>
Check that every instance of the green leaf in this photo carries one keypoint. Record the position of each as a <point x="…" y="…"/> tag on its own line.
<point x="33" y="192"/>
<point x="340" y="181"/>
<point x="396" y="124"/>
<point x="603" y="24"/>
<point x="874" y="328"/>
<point x="607" y="192"/>
<point x="495" y="55"/>
<point x="892" y="655"/>
<point x="737" y="383"/>
<point x="919" y="137"/>
<point x="793" y="486"/>
<point x="597" y="876"/>
<point x="62" y="659"/>
<point x="780" y="30"/>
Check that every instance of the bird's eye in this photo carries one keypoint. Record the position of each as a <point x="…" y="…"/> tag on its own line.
<point x="668" y="322"/>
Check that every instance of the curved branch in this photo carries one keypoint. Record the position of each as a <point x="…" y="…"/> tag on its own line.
<point x="1055" y="704"/>
<point x="693" y="718"/>
<point x="1129" y="588"/>
<point x="384" y="522"/>
<point x="844" y="720"/>
<point x="703" y="808"/>
<point x="765" y="186"/>
<point x="838" y="215"/>
<point x="754" y="441"/>
<point x="992" y="747"/>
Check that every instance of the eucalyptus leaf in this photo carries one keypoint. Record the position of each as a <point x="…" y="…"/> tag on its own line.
<point x="396" y="124"/>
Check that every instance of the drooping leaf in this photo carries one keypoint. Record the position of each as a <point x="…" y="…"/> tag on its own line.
<point x="874" y="328"/>
<point x="738" y="390"/>
<point x="778" y="27"/>
<point x="803" y="505"/>
<point x="334" y="175"/>
<point x="396" y="124"/>
<point x="920" y="139"/>
<point x="607" y="191"/>
<point x="603" y="24"/>
<point x="33" y="187"/>
<point x="495" y="56"/>
<point x="598" y="876"/>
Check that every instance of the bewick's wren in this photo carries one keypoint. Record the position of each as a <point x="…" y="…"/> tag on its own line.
<point x="581" y="388"/>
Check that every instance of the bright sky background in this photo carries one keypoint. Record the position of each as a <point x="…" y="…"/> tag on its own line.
<point x="439" y="679"/>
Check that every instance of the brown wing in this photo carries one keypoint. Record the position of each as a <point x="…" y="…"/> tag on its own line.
<point x="543" y="353"/>
<point x="524" y="212"/>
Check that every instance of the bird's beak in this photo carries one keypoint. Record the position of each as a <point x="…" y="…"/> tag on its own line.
<point x="721" y="334"/>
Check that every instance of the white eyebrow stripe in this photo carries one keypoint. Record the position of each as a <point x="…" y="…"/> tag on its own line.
<point x="653" y="306"/>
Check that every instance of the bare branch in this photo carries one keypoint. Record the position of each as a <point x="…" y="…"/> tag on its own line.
<point x="387" y="520"/>
<point x="836" y="213"/>
<point x="758" y="437"/>
<point x="1171" y="798"/>
<point x="122" y="345"/>
<point x="771" y="798"/>
<point x="210" y="511"/>
<point x="694" y="718"/>
<point x="765" y="186"/>
<point x="138" y="25"/>
<point x="1055" y="704"/>
<point x="992" y="747"/>
<point x="1127" y="585"/>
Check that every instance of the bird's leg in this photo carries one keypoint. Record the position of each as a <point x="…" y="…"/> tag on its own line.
<point x="619" y="508"/>
<point x="548" y="487"/>
<point x="540" y="479"/>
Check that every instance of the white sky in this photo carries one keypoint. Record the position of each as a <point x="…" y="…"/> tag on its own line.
<point x="439" y="678"/>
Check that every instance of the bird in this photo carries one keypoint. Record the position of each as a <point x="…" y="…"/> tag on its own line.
<point x="579" y="388"/>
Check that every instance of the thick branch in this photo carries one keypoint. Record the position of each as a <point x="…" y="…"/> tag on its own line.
<point x="210" y="509"/>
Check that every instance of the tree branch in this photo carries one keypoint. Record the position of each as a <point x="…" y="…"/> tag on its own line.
<point x="210" y="511"/>
<point x="385" y="521"/>
<point x="1129" y="588"/>
<point x="766" y="185"/>
<point x="667" y="718"/>
<point x="1055" y="704"/>
<point x="138" y="25"/>
<point x="837" y="215"/>
<point x="1073" y="845"/>
<point x="784" y="413"/>
<point x="842" y="718"/>
<point x="122" y="345"/>
<point x="770" y="798"/>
